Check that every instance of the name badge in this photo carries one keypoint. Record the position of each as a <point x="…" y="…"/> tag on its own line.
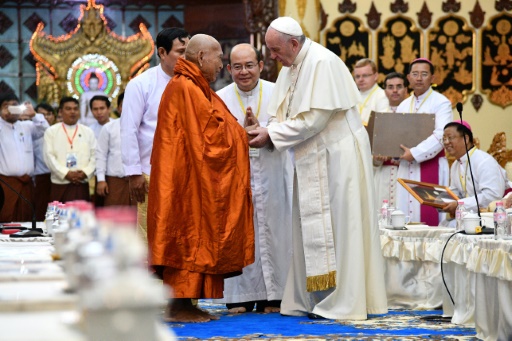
<point x="254" y="152"/>
<point x="71" y="160"/>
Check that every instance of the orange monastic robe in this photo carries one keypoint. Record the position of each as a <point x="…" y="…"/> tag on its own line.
<point x="199" y="210"/>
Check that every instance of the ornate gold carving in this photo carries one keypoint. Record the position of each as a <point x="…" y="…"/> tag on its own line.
<point x="452" y="51"/>
<point x="373" y="17"/>
<point x="399" y="42"/>
<point x="55" y="55"/>
<point x="282" y="7"/>
<point x="424" y="16"/>
<point x="477" y="16"/>
<point x="301" y="8"/>
<point x="496" y="57"/>
<point x="348" y="39"/>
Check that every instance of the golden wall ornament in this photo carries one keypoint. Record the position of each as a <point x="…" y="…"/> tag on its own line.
<point x="496" y="44"/>
<point x="399" y="42"/>
<point x="349" y="39"/>
<point x="452" y="49"/>
<point x="65" y="64"/>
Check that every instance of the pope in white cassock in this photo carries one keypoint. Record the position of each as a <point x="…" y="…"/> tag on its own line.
<point x="337" y="269"/>
<point x="426" y="161"/>
<point x="271" y="182"/>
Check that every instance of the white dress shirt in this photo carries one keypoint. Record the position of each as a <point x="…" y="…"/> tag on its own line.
<point x="57" y="147"/>
<point x="17" y="147"/>
<point x="138" y="121"/>
<point x="108" y="151"/>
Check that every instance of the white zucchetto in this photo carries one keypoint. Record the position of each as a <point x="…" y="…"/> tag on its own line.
<point x="287" y="25"/>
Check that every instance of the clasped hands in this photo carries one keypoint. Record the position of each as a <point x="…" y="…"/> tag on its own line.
<point x="258" y="136"/>
<point x="75" y="177"/>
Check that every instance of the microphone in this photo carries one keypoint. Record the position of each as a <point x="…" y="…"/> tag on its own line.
<point x="484" y="229"/>
<point x="33" y="231"/>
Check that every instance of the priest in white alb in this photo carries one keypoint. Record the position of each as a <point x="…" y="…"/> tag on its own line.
<point x="426" y="161"/>
<point x="337" y="269"/>
<point x="271" y="182"/>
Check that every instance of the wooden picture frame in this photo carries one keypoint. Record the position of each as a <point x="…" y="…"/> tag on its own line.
<point x="429" y="194"/>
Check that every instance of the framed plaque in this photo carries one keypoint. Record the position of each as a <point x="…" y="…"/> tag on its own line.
<point x="388" y="130"/>
<point x="429" y="194"/>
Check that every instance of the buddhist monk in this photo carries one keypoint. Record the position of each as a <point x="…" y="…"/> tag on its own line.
<point x="200" y="227"/>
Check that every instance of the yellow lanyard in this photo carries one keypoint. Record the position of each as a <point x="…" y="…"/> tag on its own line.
<point x="463" y="178"/>
<point x="242" y="104"/>
<point x="366" y="100"/>
<point x="412" y="101"/>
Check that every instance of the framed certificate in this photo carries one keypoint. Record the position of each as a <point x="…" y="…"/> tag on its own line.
<point x="429" y="194"/>
<point x="388" y="130"/>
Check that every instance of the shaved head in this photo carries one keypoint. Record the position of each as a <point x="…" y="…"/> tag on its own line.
<point x="206" y="52"/>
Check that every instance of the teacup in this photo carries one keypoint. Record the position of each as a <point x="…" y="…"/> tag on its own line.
<point x="471" y="223"/>
<point x="398" y="219"/>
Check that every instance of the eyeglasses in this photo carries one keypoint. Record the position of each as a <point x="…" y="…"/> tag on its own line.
<point x="239" y="67"/>
<point x="365" y="76"/>
<point x="448" y="139"/>
<point x="420" y="74"/>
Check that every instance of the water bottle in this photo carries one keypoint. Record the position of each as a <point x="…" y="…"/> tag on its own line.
<point x="460" y="212"/>
<point x="384" y="216"/>
<point x="500" y="221"/>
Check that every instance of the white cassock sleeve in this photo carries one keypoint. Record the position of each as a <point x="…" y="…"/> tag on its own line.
<point x="289" y="133"/>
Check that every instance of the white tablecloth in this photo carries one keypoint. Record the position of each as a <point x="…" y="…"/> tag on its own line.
<point x="412" y="260"/>
<point x="491" y="262"/>
<point x="459" y="280"/>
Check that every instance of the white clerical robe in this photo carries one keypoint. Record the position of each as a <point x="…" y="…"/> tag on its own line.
<point x="431" y="102"/>
<point x="374" y="99"/>
<point x="271" y="183"/>
<point x="490" y="179"/>
<point x="315" y="108"/>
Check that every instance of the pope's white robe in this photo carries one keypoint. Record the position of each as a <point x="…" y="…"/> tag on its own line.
<point x="439" y="105"/>
<point x="271" y="184"/>
<point x="314" y="103"/>
<point x="374" y="99"/>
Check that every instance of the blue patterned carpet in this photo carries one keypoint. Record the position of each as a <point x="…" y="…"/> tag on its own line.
<point x="396" y="325"/>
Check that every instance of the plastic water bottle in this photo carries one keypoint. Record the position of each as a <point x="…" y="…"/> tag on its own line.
<point x="500" y="221"/>
<point x="460" y="212"/>
<point x="384" y="214"/>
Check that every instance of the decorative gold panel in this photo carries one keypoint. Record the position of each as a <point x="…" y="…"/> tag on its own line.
<point x="452" y="49"/>
<point x="349" y="39"/>
<point x="399" y="42"/>
<point x="496" y="56"/>
<point x="65" y="64"/>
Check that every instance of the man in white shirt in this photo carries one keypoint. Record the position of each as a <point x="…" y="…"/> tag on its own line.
<point x="489" y="177"/>
<point x="337" y="267"/>
<point x="426" y="161"/>
<point x="112" y="182"/>
<point x="138" y="122"/>
<point x="100" y="108"/>
<point x="42" y="175"/>
<point x="271" y="180"/>
<point x="69" y="152"/>
<point x="373" y="97"/>
<point x="386" y="170"/>
<point x="17" y="133"/>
